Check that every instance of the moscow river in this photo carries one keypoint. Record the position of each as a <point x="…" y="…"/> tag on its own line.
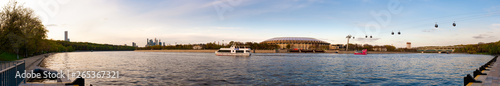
<point x="169" y="68"/>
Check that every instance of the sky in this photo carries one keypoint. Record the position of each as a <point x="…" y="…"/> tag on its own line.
<point x="201" y="21"/>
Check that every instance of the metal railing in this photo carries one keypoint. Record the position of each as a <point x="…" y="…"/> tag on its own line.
<point x="8" y="72"/>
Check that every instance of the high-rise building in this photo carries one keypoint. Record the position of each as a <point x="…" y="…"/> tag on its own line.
<point x="151" y="42"/>
<point x="66" y="36"/>
<point x="156" y="42"/>
<point x="408" y="45"/>
<point x="133" y="44"/>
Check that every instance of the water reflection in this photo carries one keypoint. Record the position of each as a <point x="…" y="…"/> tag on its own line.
<point x="163" y="68"/>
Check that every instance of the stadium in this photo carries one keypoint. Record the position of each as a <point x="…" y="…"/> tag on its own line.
<point x="301" y="43"/>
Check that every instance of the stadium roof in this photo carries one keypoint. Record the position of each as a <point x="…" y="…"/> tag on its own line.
<point x="293" y="40"/>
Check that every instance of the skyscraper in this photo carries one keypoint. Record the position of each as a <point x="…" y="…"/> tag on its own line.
<point x="66" y="36"/>
<point x="156" y="42"/>
<point x="151" y="42"/>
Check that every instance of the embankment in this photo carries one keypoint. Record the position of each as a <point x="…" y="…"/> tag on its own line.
<point x="271" y="51"/>
<point x="200" y="51"/>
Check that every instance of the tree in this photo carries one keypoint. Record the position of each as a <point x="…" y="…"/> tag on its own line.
<point x="390" y="47"/>
<point x="368" y="47"/>
<point x="21" y="32"/>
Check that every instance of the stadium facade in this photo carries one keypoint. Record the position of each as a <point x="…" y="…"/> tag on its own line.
<point x="297" y="42"/>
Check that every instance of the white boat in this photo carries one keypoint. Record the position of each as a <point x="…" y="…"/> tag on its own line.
<point x="233" y="51"/>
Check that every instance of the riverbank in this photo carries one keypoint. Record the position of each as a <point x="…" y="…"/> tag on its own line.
<point x="9" y="69"/>
<point x="486" y="75"/>
<point x="493" y="74"/>
<point x="369" y="52"/>
<point x="201" y="51"/>
<point x="34" y="61"/>
<point x="273" y="51"/>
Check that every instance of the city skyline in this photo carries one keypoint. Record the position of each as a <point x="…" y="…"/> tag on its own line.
<point x="184" y="22"/>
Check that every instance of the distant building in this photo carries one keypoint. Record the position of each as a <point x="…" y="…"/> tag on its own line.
<point x="336" y="46"/>
<point x="197" y="47"/>
<point x="151" y="42"/>
<point x="379" y="49"/>
<point x="155" y="42"/>
<point x="408" y="45"/>
<point x="134" y="45"/>
<point x="66" y="36"/>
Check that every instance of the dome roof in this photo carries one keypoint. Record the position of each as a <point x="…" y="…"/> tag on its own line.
<point x="294" y="40"/>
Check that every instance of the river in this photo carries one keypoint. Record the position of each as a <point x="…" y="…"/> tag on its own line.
<point x="170" y="68"/>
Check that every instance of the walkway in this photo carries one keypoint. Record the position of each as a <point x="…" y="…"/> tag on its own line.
<point x="492" y="77"/>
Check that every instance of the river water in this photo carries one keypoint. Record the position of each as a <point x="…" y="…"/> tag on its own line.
<point x="170" y="68"/>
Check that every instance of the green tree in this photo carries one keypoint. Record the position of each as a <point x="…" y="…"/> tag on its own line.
<point x="368" y="47"/>
<point x="21" y="31"/>
<point x="390" y="47"/>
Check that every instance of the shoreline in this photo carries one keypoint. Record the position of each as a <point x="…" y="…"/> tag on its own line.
<point x="273" y="51"/>
<point x="34" y="61"/>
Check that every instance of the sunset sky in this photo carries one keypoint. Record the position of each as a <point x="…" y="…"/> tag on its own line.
<point x="202" y="21"/>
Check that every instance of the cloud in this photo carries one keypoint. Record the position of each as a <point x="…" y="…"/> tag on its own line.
<point x="172" y="21"/>
<point x="481" y="36"/>
<point x="261" y="7"/>
<point x="94" y="20"/>
<point x="429" y="30"/>
<point x="493" y="10"/>
<point x="226" y="28"/>
<point x="495" y="26"/>
<point x="51" y="25"/>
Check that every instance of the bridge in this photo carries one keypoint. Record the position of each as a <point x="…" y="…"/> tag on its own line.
<point x="436" y="49"/>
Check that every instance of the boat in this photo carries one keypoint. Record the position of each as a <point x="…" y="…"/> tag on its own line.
<point x="360" y="53"/>
<point x="233" y="51"/>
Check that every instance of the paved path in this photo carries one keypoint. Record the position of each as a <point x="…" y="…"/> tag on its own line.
<point x="493" y="76"/>
<point x="31" y="62"/>
<point x="34" y="61"/>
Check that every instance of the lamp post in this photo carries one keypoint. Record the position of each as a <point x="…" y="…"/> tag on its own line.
<point x="348" y="37"/>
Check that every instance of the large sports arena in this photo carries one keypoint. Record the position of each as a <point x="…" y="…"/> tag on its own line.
<point x="297" y="42"/>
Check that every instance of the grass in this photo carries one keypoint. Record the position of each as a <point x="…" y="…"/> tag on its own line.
<point x="4" y="56"/>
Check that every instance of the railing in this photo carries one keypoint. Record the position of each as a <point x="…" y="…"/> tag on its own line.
<point x="8" y="72"/>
